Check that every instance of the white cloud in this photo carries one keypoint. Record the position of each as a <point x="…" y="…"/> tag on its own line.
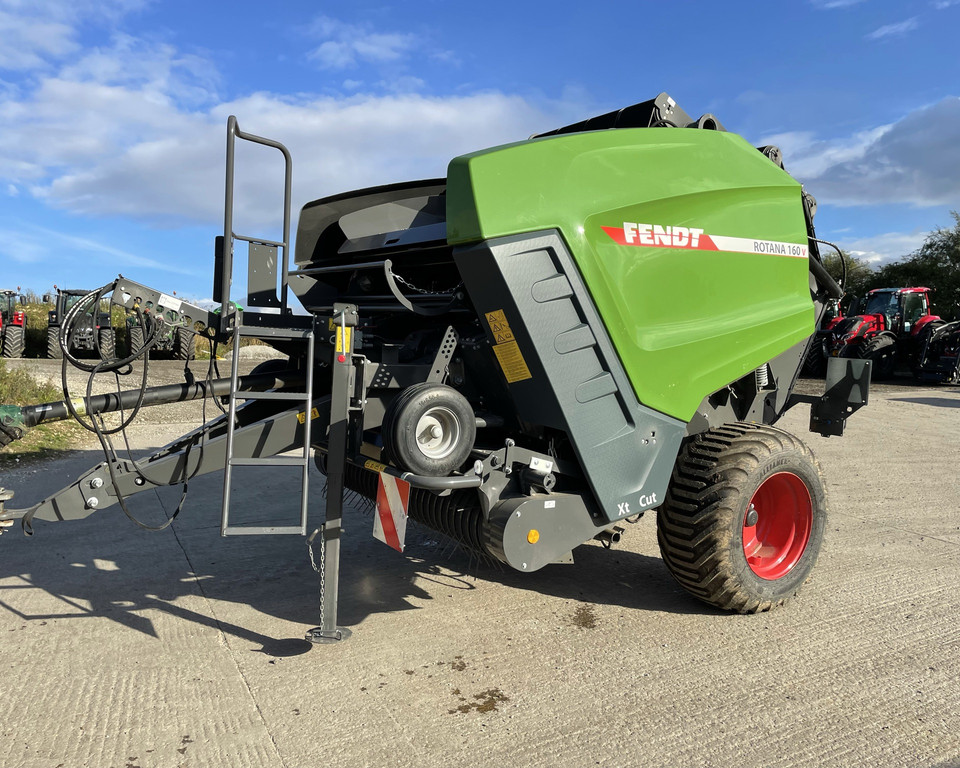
<point x="37" y="40"/>
<point x="129" y="150"/>
<point x="884" y="248"/>
<point x="831" y="4"/>
<point x="38" y="32"/>
<point x="914" y="161"/>
<point x="894" y="30"/>
<point x="32" y="244"/>
<point x="347" y="45"/>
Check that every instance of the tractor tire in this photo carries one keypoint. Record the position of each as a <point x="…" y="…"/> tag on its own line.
<point x="881" y="350"/>
<point x="13" y="342"/>
<point x="134" y="339"/>
<point x="429" y="429"/>
<point x="107" y="339"/>
<point x="54" y="350"/>
<point x="183" y="344"/>
<point x="815" y="363"/>
<point x="743" y="519"/>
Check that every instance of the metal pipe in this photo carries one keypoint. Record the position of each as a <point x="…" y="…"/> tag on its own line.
<point x="168" y="393"/>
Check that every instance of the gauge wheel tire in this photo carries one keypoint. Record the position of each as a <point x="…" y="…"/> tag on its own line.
<point x="13" y="342"/>
<point x="107" y="339"/>
<point x="183" y="344"/>
<point x="429" y="429"/>
<point x="881" y="350"/>
<point x="54" y="350"/>
<point x="743" y="519"/>
<point x="134" y="339"/>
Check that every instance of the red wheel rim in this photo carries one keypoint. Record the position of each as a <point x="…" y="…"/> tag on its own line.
<point x="778" y="536"/>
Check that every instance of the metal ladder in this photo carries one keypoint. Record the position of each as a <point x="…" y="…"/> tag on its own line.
<point x="302" y="460"/>
<point x="267" y="261"/>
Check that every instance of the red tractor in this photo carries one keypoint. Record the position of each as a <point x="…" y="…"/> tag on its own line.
<point x="12" y="323"/>
<point x="815" y="363"/>
<point x="889" y="330"/>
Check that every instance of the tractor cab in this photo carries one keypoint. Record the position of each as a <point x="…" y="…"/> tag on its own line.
<point x="897" y="310"/>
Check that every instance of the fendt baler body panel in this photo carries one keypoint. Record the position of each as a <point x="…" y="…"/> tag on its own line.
<point x="692" y="244"/>
<point x="563" y="372"/>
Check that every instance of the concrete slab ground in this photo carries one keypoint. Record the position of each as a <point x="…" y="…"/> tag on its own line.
<point x="124" y="648"/>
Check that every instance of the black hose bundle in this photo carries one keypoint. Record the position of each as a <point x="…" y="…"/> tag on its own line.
<point x="152" y="329"/>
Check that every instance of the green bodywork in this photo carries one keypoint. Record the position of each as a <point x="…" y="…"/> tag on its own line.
<point x="685" y="323"/>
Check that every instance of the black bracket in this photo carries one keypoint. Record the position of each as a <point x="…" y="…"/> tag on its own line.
<point x="846" y="390"/>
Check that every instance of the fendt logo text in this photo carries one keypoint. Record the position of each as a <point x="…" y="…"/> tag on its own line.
<point x="695" y="239"/>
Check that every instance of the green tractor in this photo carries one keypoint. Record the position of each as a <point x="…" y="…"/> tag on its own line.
<point x="559" y="336"/>
<point x="176" y="342"/>
<point x="12" y="324"/>
<point x="91" y="333"/>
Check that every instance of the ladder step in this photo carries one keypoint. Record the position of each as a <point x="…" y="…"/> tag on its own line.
<point x="276" y="461"/>
<point x="267" y="332"/>
<point x="256" y="530"/>
<point x="271" y="396"/>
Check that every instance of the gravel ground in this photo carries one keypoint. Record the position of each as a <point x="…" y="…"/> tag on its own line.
<point x="127" y="648"/>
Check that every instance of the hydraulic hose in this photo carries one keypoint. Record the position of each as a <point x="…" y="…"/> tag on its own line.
<point x="31" y="415"/>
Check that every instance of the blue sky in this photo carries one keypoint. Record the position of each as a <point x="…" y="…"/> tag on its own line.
<point x="113" y="112"/>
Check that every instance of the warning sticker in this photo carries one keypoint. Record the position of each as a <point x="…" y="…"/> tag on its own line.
<point x="506" y="348"/>
<point x="302" y="416"/>
<point x="512" y="362"/>
<point x="341" y="333"/>
<point x="374" y="466"/>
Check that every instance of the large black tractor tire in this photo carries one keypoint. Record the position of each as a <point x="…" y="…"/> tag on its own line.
<point x="881" y="350"/>
<point x="429" y="429"/>
<point x="13" y="342"/>
<point x="815" y="363"/>
<point x="743" y="519"/>
<point x="107" y="339"/>
<point x="134" y="339"/>
<point x="54" y="350"/>
<point x="183" y="344"/>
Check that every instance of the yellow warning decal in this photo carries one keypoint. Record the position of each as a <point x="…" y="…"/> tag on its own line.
<point x="302" y="416"/>
<point x="512" y="362"/>
<point x="79" y="405"/>
<point x="496" y="317"/>
<point x="341" y="332"/>
<point x="374" y="466"/>
<point x="506" y="348"/>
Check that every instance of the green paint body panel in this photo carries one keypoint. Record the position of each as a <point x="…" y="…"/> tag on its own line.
<point x="685" y="323"/>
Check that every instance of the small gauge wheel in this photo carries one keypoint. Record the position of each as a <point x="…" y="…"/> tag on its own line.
<point x="429" y="429"/>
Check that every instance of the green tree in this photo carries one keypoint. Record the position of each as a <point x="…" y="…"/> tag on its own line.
<point x="936" y="264"/>
<point x="859" y="273"/>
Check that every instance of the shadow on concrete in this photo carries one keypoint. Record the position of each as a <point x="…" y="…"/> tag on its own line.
<point x="104" y="566"/>
<point x="938" y="402"/>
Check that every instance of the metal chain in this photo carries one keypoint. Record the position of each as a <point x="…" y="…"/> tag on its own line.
<point x="322" y="570"/>
<point x="424" y="291"/>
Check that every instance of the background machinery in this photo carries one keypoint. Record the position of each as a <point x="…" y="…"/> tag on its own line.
<point x="501" y="355"/>
<point x="888" y="329"/>
<point x="12" y="324"/>
<point x="91" y="330"/>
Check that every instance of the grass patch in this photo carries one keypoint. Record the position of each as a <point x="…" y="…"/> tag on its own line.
<point x="17" y="387"/>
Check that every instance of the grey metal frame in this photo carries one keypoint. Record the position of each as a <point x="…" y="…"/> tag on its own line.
<point x="229" y="236"/>
<point x="302" y="461"/>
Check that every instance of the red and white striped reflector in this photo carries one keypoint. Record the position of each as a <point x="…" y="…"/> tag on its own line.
<point x="390" y="521"/>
